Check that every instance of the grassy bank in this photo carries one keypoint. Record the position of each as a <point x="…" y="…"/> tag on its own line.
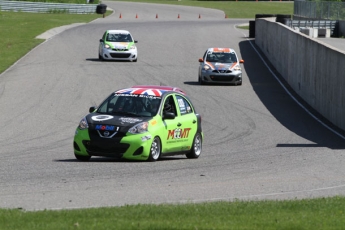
<point x="234" y="9"/>
<point x="324" y="213"/>
<point x="18" y="32"/>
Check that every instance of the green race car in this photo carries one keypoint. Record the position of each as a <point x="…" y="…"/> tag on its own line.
<point x="140" y="123"/>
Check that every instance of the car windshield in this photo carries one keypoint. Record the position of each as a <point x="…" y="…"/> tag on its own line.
<point x="221" y="57"/>
<point x="130" y="105"/>
<point x="119" y="38"/>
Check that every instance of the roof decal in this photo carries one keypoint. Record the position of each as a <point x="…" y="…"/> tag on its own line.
<point x="225" y="50"/>
<point x="142" y="91"/>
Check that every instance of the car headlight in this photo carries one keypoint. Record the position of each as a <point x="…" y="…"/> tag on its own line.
<point x="206" y="67"/>
<point x="133" y="47"/>
<point x="83" y="124"/>
<point x="237" y="68"/>
<point x="107" y="46"/>
<point x="139" y="128"/>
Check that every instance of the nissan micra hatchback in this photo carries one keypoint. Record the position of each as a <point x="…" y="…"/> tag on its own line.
<point x="220" y="66"/>
<point x="140" y="124"/>
<point x="117" y="45"/>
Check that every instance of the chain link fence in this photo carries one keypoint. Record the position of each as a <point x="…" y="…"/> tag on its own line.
<point x="319" y="9"/>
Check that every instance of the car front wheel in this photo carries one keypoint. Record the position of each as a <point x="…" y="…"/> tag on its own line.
<point x="196" y="148"/>
<point x="100" y="57"/>
<point x="201" y="82"/>
<point x="82" y="158"/>
<point x="155" y="150"/>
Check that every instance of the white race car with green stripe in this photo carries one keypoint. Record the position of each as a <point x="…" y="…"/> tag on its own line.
<point x="117" y="45"/>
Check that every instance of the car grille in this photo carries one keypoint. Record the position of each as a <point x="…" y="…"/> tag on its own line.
<point x="114" y="134"/>
<point x="222" y="78"/>
<point x="105" y="148"/>
<point x="222" y="71"/>
<point x="120" y="49"/>
<point x="120" y="55"/>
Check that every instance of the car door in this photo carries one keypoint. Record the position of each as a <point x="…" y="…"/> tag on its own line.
<point x="170" y="137"/>
<point x="187" y="122"/>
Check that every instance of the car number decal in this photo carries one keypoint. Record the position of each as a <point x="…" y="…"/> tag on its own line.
<point x="101" y="117"/>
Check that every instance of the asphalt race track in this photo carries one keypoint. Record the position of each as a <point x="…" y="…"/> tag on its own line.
<point x="259" y="142"/>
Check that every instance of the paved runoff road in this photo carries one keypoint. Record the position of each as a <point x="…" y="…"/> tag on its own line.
<point x="259" y="142"/>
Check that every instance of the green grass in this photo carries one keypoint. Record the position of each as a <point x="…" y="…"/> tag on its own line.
<point x="234" y="9"/>
<point x="18" y="31"/>
<point x="323" y="213"/>
<point x="17" y="35"/>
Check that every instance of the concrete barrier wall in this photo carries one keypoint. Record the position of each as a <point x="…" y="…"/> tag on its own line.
<point x="315" y="70"/>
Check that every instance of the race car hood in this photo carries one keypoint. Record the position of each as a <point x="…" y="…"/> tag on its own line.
<point x="221" y="66"/>
<point x="120" y="45"/>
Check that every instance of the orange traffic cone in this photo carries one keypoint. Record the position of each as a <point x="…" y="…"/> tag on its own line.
<point x="226" y="16"/>
<point x="178" y="16"/>
<point x="120" y="16"/>
<point x="156" y="15"/>
<point x="136" y="16"/>
<point x="199" y="16"/>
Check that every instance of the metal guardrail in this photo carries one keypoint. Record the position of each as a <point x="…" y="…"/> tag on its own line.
<point x="42" y="7"/>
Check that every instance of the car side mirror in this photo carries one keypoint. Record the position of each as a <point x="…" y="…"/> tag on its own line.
<point x="92" y="109"/>
<point x="135" y="41"/>
<point x="241" y="61"/>
<point x="168" y="115"/>
<point x="101" y="40"/>
<point x="201" y="60"/>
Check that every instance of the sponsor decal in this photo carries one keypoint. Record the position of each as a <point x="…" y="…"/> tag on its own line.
<point x="105" y="127"/>
<point x="101" y="117"/>
<point x="178" y="133"/>
<point x="137" y="95"/>
<point x="181" y="105"/>
<point x="154" y="122"/>
<point x="145" y="138"/>
<point x="129" y="120"/>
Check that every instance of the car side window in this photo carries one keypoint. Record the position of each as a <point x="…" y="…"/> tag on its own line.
<point x="184" y="105"/>
<point x="169" y="105"/>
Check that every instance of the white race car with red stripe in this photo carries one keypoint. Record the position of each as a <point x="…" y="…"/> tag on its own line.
<point x="220" y="65"/>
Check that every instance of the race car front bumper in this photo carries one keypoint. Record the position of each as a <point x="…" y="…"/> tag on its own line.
<point x="132" y="147"/>
<point x="127" y="55"/>
<point x="222" y="78"/>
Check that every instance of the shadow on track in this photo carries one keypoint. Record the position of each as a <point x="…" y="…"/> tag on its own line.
<point x="284" y="108"/>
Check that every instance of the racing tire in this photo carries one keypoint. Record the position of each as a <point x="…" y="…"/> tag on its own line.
<point x="196" y="147"/>
<point x="155" y="149"/>
<point x="100" y="57"/>
<point x="201" y="82"/>
<point x="82" y="158"/>
<point x="135" y="60"/>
